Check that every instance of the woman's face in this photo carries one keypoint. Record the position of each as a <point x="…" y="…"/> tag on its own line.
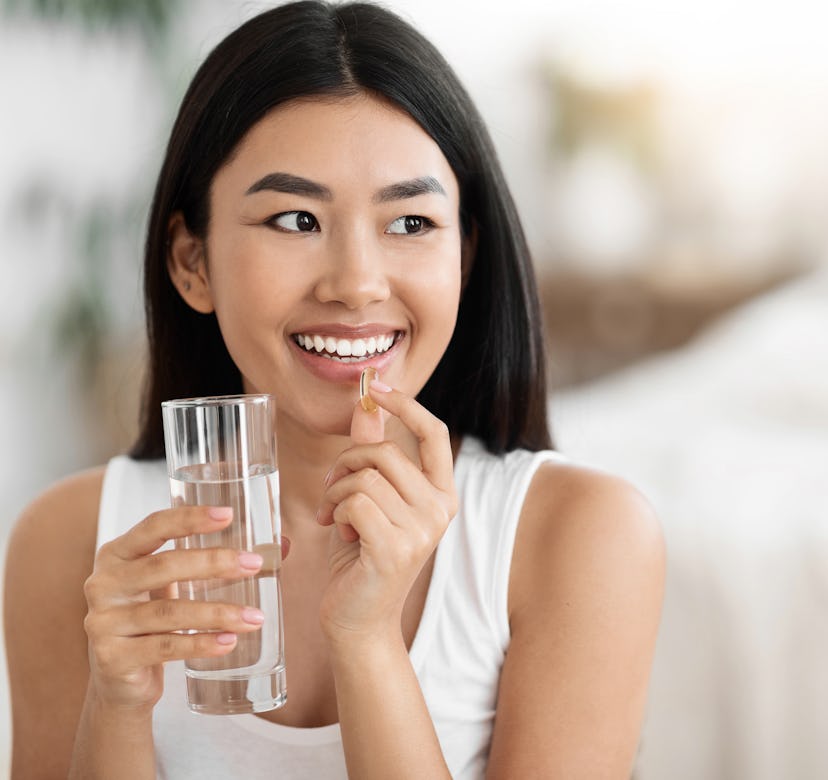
<point x="334" y="244"/>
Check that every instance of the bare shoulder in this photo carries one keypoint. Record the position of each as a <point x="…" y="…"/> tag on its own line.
<point x="58" y="529"/>
<point x="50" y="554"/>
<point x="580" y="519"/>
<point x="585" y="596"/>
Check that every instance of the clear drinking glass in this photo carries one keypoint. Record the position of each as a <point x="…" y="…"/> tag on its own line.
<point x="221" y="451"/>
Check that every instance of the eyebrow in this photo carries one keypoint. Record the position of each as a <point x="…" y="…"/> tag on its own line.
<point x="410" y="188"/>
<point x="297" y="185"/>
<point x="292" y="185"/>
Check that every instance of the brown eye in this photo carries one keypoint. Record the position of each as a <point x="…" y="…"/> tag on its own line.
<point x="295" y="222"/>
<point x="409" y="225"/>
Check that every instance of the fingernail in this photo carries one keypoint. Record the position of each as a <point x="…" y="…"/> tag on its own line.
<point x="380" y="387"/>
<point x="225" y="639"/>
<point x="253" y="615"/>
<point x="220" y="512"/>
<point x="250" y="560"/>
<point x="328" y="477"/>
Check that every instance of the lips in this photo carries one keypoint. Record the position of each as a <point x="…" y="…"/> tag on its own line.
<point x="347" y="350"/>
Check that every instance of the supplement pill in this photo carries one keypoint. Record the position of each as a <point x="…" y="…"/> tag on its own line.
<point x="368" y="376"/>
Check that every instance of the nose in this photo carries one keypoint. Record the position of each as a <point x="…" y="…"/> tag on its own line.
<point x="354" y="273"/>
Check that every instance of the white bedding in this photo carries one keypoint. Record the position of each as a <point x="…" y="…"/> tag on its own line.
<point x="729" y="439"/>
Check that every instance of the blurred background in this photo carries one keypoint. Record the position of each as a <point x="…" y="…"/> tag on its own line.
<point x="670" y="163"/>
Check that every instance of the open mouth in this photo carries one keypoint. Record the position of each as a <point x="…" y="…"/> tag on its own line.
<point x="347" y="350"/>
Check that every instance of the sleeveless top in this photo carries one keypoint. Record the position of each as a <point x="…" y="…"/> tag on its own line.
<point x="457" y="652"/>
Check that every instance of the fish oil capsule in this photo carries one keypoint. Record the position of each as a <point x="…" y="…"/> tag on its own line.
<point x="368" y="375"/>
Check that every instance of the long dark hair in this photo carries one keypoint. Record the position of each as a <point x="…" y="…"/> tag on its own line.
<point x="491" y="381"/>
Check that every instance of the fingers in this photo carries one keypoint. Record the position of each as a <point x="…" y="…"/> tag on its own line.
<point x="159" y="527"/>
<point x="168" y="615"/>
<point x="366" y="481"/>
<point x="387" y="475"/>
<point x="432" y="434"/>
<point x="156" y="572"/>
<point x="367" y="427"/>
<point x="117" y="656"/>
<point x="384" y="460"/>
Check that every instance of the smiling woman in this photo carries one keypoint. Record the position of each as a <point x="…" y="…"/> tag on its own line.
<point x="361" y="241"/>
<point x="467" y="603"/>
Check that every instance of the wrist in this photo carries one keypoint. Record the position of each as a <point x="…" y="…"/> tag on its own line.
<point x="347" y="643"/>
<point x="130" y="716"/>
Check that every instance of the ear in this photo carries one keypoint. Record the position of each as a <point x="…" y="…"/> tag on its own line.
<point x="468" y="251"/>
<point x="187" y="265"/>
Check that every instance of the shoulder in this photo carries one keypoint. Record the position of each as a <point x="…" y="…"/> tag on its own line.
<point x="50" y="554"/>
<point x="62" y="520"/>
<point x="580" y="527"/>
<point x="52" y="546"/>
<point x="585" y="594"/>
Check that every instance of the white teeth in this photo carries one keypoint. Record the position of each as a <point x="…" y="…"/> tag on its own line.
<point x="345" y="349"/>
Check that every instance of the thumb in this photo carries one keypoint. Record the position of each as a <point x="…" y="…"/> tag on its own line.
<point x="367" y="427"/>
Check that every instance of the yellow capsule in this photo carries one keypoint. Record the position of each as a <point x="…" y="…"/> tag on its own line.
<point x="368" y="376"/>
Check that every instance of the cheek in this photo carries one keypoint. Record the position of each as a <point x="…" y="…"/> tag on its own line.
<point x="436" y="290"/>
<point x="249" y="298"/>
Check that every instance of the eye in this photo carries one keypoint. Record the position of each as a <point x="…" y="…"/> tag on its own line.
<point x="409" y="225"/>
<point x="295" y="222"/>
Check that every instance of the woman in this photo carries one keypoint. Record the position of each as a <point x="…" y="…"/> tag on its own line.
<point x="330" y="200"/>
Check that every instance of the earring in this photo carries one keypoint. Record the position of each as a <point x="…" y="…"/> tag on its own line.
<point x="186" y="286"/>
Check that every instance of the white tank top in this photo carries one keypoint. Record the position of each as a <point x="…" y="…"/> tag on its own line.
<point x="457" y="652"/>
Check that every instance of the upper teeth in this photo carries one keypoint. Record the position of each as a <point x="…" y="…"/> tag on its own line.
<point x="330" y="346"/>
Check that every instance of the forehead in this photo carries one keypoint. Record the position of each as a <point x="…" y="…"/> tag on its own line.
<point x="358" y="140"/>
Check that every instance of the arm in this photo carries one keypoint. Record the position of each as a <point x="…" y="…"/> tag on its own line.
<point x="82" y="701"/>
<point x="584" y="606"/>
<point x="54" y="711"/>
<point x="390" y="510"/>
<point x="49" y="555"/>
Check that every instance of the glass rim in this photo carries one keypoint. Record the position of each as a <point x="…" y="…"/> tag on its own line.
<point x="217" y="400"/>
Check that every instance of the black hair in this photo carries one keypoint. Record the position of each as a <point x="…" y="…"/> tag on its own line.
<point x="491" y="381"/>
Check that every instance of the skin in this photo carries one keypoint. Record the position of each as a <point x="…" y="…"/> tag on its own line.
<point x="587" y="574"/>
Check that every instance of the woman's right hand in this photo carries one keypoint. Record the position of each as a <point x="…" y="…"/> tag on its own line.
<point x="133" y="616"/>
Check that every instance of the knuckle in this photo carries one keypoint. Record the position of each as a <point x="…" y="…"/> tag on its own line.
<point x="105" y="655"/>
<point x="166" y="647"/>
<point x="105" y="551"/>
<point x="151" y="520"/>
<point x="164" y="609"/>
<point x="410" y="553"/>
<point x="203" y="645"/>
<point x="158" y="563"/>
<point x="218" y="559"/>
<point x="358" y="503"/>
<point x="440" y="429"/>
<point x="451" y="507"/>
<point x="366" y="478"/>
<point x="342" y="511"/>
<point x="93" y="589"/>
<point x="221" y="615"/>
<point x="91" y="624"/>
<point x="422" y="539"/>
<point x="442" y="510"/>
<point x="388" y="449"/>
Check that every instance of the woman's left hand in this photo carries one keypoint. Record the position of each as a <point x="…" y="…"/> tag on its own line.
<point x="389" y="513"/>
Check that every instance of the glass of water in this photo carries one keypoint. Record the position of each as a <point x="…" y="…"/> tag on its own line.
<point x="221" y="451"/>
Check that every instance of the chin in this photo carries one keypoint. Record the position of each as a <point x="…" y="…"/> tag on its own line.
<point x="330" y="424"/>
